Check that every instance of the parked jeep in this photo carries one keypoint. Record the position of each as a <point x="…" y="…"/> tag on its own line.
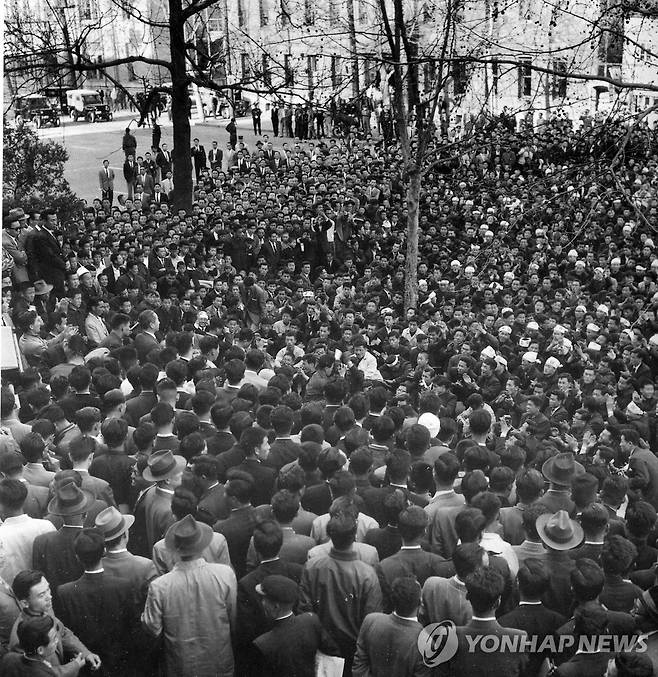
<point x="37" y="109"/>
<point x="87" y="104"/>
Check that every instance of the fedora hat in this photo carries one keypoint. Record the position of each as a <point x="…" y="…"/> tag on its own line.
<point x="162" y="465"/>
<point x="112" y="523"/>
<point x="559" y="531"/>
<point x="70" y="500"/>
<point x="41" y="287"/>
<point x="561" y="468"/>
<point x="188" y="537"/>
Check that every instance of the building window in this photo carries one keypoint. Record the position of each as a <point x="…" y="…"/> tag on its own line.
<point x="244" y="64"/>
<point x="333" y="12"/>
<point x="459" y="77"/>
<point x="363" y="10"/>
<point x="495" y="76"/>
<point x="336" y="73"/>
<point x="309" y="12"/>
<point x="560" y="81"/>
<point x="242" y="17"/>
<point x="265" y="65"/>
<point x="262" y="11"/>
<point x="311" y="67"/>
<point x="525" y="78"/>
<point x="288" y="71"/>
<point x="285" y="13"/>
<point x="88" y="10"/>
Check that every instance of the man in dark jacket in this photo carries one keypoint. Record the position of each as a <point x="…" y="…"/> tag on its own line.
<point x="251" y="618"/>
<point x="100" y="609"/>
<point x="45" y="260"/>
<point x="53" y="553"/>
<point x="289" y="648"/>
<point x="239" y="527"/>
<point x="199" y="157"/>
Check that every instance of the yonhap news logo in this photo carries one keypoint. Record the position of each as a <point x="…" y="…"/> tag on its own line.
<point x="439" y="642"/>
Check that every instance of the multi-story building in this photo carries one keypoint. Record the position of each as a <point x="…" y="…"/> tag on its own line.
<point x="48" y="35"/>
<point x="640" y="62"/>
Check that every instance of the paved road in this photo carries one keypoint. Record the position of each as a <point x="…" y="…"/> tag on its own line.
<point x="90" y="144"/>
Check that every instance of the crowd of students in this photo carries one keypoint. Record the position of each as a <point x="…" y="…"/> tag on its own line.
<point x="233" y="449"/>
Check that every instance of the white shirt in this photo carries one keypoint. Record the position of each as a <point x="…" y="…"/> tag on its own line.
<point x="368" y="365"/>
<point x="494" y="543"/>
<point x="17" y="536"/>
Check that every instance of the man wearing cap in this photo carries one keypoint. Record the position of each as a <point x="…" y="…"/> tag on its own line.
<point x="290" y="647"/>
<point x="166" y="470"/>
<point x="54" y="553"/>
<point x="117" y="560"/>
<point x="193" y="607"/>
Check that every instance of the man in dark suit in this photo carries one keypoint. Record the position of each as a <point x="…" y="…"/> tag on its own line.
<point x="531" y="615"/>
<point x="318" y="497"/>
<point x="199" y="157"/>
<point x="643" y="465"/>
<point x="388" y="643"/>
<point x="239" y="526"/>
<point x="251" y="619"/>
<point x="53" y="552"/>
<point x="289" y="648"/>
<point x="413" y="560"/>
<point x="117" y="561"/>
<point x="146" y="340"/>
<point x="215" y="157"/>
<point x="163" y="160"/>
<point x="158" y="197"/>
<point x="256" y="447"/>
<point x="106" y="181"/>
<point x="159" y="262"/>
<point x="484" y="590"/>
<point x="130" y="171"/>
<point x="45" y="260"/>
<point x="100" y="609"/>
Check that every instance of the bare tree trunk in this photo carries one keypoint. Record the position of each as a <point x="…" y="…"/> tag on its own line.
<point x="180" y="110"/>
<point x="356" y="88"/>
<point x="411" y="262"/>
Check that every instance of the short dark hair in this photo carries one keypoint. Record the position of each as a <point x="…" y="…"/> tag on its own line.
<point x="24" y="581"/>
<point x="12" y="494"/>
<point x="529" y="485"/>
<point x="618" y="555"/>
<point x="467" y="557"/>
<point x="268" y="538"/>
<point x="184" y="502"/>
<point x="115" y="431"/>
<point x="479" y="421"/>
<point x="469" y="524"/>
<point x="405" y="595"/>
<point x="32" y="447"/>
<point x="284" y="506"/>
<point x="446" y="468"/>
<point x="484" y="588"/>
<point x="89" y="547"/>
<point x="33" y="632"/>
<point x="81" y="447"/>
<point x="281" y="419"/>
<point x="586" y="580"/>
<point x="341" y="529"/>
<point x="240" y="485"/>
<point x="533" y="578"/>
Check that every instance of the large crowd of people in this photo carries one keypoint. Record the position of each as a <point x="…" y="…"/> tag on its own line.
<point x="234" y="451"/>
